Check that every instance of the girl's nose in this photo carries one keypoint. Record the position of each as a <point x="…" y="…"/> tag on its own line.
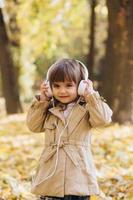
<point x="62" y="90"/>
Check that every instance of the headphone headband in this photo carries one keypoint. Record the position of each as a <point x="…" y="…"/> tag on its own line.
<point x="47" y="76"/>
<point x="85" y="69"/>
<point x="81" y="64"/>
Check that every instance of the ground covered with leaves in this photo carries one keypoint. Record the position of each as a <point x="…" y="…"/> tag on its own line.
<point x="19" y="150"/>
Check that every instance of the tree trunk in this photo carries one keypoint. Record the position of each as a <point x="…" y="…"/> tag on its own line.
<point x="8" y="72"/>
<point x="118" y="68"/>
<point x="90" y="56"/>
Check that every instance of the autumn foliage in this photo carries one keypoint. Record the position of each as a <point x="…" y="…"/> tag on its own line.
<point x="20" y="149"/>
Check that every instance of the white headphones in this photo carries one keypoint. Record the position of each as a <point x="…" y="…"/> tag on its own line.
<point x="82" y="84"/>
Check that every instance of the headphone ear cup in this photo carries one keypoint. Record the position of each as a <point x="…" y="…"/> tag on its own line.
<point x="81" y="88"/>
<point x="49" y="92"/>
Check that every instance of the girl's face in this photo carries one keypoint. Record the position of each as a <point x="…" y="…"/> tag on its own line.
<point x="65" y="92"/>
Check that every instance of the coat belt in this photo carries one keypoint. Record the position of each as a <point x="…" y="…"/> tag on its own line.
<point x="68" y="142"/>
<point x="69" y="148"/>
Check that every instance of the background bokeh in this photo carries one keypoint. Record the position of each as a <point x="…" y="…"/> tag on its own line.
<point x="33" y="35"/>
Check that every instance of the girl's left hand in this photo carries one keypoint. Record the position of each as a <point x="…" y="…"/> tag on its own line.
<point x="89" y="88"/>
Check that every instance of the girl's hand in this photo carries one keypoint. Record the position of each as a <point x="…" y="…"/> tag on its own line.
<point x="89" y="88"/>
<point x="44" y="90"/>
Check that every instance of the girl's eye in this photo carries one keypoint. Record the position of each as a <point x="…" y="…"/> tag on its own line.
<point x="56" y="86"/>
<point x="69" y="85"/>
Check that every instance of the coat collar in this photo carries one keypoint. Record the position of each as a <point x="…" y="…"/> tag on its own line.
<point x="57" y="112"/>
<point x="78" y="113"/>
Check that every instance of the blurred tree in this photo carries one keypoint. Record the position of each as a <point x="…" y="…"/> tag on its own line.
<point x="118" y="67"/>
<point x="8" y="72"/>
<point x="50" y="31"/>
<point x="42" y="31"/>
<point x="91" y="52"/>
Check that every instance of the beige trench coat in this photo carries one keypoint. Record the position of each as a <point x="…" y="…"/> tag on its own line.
<point x="75" y="172"/>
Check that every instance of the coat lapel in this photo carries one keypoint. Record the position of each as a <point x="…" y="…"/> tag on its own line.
<point x="75" y="118"/>
<point x="56" y="111"/>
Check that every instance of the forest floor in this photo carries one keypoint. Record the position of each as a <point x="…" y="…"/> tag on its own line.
<point x="20" y="149"/>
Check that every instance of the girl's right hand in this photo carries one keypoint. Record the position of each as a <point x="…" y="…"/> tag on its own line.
<point x="44" y="90"/>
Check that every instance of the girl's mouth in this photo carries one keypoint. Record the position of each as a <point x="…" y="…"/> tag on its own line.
<point x="63" y="96"/>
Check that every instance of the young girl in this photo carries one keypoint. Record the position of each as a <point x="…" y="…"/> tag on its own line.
<point x="67" y="113"/>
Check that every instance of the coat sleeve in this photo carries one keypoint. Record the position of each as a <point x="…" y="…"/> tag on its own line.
<point x="100" y="112"/>
<point x="36" y="115"/>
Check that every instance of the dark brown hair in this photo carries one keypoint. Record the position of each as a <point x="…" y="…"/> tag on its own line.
<point x="66" y="69"/>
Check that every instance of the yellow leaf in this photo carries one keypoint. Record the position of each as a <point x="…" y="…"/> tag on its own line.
<point x="94" y="198"/>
